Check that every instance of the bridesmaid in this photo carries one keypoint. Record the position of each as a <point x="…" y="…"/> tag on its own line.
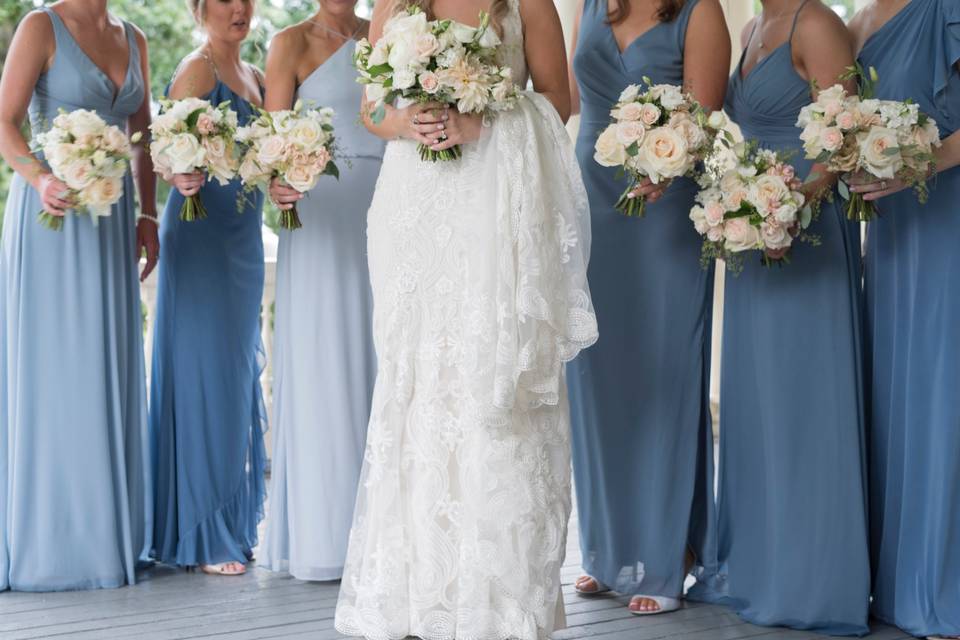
<point x="792" y="515"/>
<point x="325" y="363"/>
<point x="642" y="438"/>
<point x="206" y="409"/>
<point x="912" y="314"/>
<point x="73" y="492"/>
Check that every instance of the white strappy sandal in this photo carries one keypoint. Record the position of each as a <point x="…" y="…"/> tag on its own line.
<point x="666" y="604"/>
<point x="601" y="588"/>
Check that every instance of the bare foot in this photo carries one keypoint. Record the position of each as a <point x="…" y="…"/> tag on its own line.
<point x="588" y="585"/>
<point x="224" y="569"/>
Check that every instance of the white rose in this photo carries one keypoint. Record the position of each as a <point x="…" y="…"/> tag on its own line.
<point x="102" y="193"/>
<point x="629" y="132"/>
<point x="713" y="214"/>
<point x="451" y="57"/>
<point x="608" y="150"/>
<point x="429" y="82"/>
<point x="741" y="235"/>
<point x="690" y="130"/>
<point x="77" y="174"/>
<point x="767" y="193"/>
<point x="300" y="177"/>
<point x="116" y="140"/>
<point x="407" y="26"/>
<point x="630" y="93"/>
<point x="717" y="120"/>
<point x="307" y="133"/>
<point x="873" y="152"/>
<point x="697" y="215"/>
<point x="284" y="121"/>
<point x="831" y="139"/>
<point x="426" y="45"/>
<point x="664" y="154"/>
<point x="184" y="153"/>
<point x="630" y="111"/>
<point x="250" y="172"/>
<point x="715" y="234"/>
<point x="271" y="151"/>
<point x="376" y="93"/>
<point x="463" y="33"/>
<point x="649" y="114"/>
<point x="787" y="213"/>
<point x="379" y="54"/>
<point x="85" y="123"/>
<point x="670" y="96"/>
<point x="404" y="79"/>
<point x="731" y="181"/>
<point x="847" y="120"/>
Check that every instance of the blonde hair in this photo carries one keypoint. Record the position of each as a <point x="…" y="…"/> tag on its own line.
<point x="497" y="11"/>
<point x="198" y="9"/>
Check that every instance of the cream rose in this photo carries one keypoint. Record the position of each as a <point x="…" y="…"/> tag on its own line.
<point x="649" y="114"/>
<point x="629" y="132"/>
<point x="271" y="151"/>
<point x="429" y="82"/>
<point x="775" y="236"/>
<point x="665" y="153"/>
<point x="690" y="130"/>
<point x="307" y="133"/>
<point x="489" y="38"/>
<point x="463" y="33"/>
<point x="608" y="150"/>
<point x="715" y="234"/>
<point x="404" y="79"/>
<point x="630" y="111"/>
<point x="831" y="139"/>
<point x="741" y="235"/>
<point x="874" y="148"/>
<point x="630" y="93"/>
<point x="300" y="177"/>
<point x="77" y="174"/>
<point x="85" y="123"/>
<point x="426" y="45"/>
<point x="184" y="153"/>
<point x="102" y="193"/>
<point x="767" y="193"/>
<point x="714" y="213"/>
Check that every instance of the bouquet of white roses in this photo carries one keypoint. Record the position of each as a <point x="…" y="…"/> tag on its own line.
<point x="659" y="134"/>
<point x="886" y="139"/>
<point x="295" y="145"/>
<point x="441" y="61"/>
<point x="754" y="205"/>
<point x="90" y="157"/>
<point x="193" y="135"/>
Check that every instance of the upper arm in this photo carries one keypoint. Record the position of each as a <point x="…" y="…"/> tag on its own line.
<point x="382" y="11"/>
<point x="545" y="52"/>
<point x="141" y="40"/>
<point x="823" y="48"/>
<point x="746" y="32"/>
<point x="32" y="48"/>
<point x="706" y="55"/>
<point x="571" y="76"/>
<point x="281" y="81"/>
<point x="193" y="78"/>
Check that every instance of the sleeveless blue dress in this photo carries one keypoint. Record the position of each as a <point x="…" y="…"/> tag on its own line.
<point x="207" y="416"/>
<point x="642" y="440"/>
<point x="791" y="493"/>
<point x="324" y="360"/>
<point x="913" y="346"/>
<point x="73" y="484"/>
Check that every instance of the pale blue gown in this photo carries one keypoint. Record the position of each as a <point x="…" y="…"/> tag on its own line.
<point x="792" y="490"/>
<point x="639" y="399"/>
<point x="324" y="360"/>
<point x="913" y="342"/>
<point x="207" y="416"/>
<point x="73" y="490"/>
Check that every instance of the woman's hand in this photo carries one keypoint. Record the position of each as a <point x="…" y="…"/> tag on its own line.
<point x="453" y="128"/>
<point x="148" y="240"/>
<point x="188" y="184"/>
<point x="873" y="189"/>
<point x="283" y="195"/>
<point x="54" y="194"/>
<point x="649" y="191"/>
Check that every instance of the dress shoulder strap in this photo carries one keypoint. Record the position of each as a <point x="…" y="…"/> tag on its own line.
<point x="209" y="60"/>
<point x="796" y="17"/>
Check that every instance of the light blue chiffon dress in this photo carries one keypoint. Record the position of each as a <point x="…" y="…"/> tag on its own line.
<point x="207" y="416"/>
<point x="325" y="365"/>
<point x="792" y="492"/>
<point x="642" y="442"/>
<point x="73" y="484"/>
<point x="913" y="342"/>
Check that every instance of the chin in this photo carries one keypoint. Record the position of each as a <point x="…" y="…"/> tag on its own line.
<point x="339" y="7"/>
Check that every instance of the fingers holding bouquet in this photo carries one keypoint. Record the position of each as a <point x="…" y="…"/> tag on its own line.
<point x="188" y="184"/>
<point x="283" y="195"/>
<point x="649" y="191"/>
<point x="54" y="194"/>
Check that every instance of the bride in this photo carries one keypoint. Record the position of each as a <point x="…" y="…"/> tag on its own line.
<point x="478" y="267"/>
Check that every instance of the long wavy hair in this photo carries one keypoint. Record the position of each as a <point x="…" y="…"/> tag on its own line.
<point x="497" y="11"/>
<point x="669" y="9"/>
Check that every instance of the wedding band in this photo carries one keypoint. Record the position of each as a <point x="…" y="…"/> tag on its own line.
<point x="416" y="119"/>
<point x="441" y="127"/>
<point x="443" y="136"/>
<point x="883" y="185"/>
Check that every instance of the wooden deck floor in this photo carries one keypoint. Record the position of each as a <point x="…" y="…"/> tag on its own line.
<point x="168" y="604"/>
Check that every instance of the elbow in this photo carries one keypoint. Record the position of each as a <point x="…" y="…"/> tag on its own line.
<point x="562" y="105"/>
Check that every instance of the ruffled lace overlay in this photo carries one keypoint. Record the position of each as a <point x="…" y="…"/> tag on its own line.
<point x="478" y="269"/>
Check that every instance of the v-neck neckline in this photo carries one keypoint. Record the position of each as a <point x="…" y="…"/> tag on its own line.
<point x="117" y="89"/>
<point x="894" y="18"/>
<point x="328" y="59"/>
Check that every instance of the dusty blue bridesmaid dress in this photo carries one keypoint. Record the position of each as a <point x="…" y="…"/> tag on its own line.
<point x="206" y="408"/>
<point x="913" y="343"/>
<point x="73" y="484"/>
<point x="325" y="365"/>
<point x="791" y="499"/>
<point x="642" y="443"/>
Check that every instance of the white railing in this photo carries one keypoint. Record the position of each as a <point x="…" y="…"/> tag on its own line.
<point x="148" y="295"/>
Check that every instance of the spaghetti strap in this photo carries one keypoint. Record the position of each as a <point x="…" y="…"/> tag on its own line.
<point x="796" y="16"/>
<point x="209" y="60"/>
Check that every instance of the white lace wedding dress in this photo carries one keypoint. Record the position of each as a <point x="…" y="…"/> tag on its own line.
<point x="478" y="269"/>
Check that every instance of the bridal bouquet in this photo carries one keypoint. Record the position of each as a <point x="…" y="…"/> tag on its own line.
<point x="659" y="134"/>
<point x="885" y="139"/>
<point x="441" y="61"/>
<point x="295" y="145"/>
<point x="754" y="205"/>
<point x="90" y="157"/>
<point x="193" y="135"/>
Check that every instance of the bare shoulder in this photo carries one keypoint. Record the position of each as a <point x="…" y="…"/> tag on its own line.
<point x="291" y="40"/>
<point x="818" y="24"/>
<point x="747" y="31"/>
<point x="194" y="77"/>
<point x="536" y="9"/>
<point x="708" y="10"/>
<point x="37" y="24"/>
